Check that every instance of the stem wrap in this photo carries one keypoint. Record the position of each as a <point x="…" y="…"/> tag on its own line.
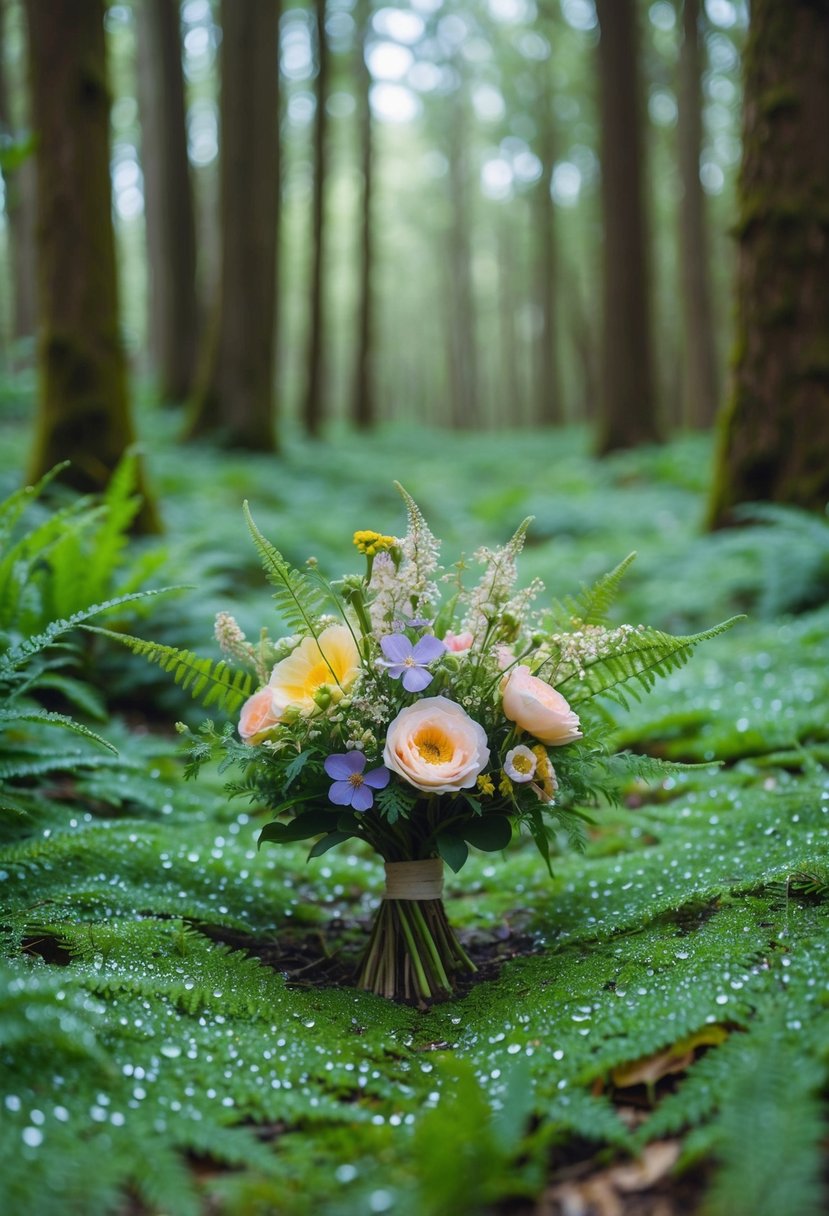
<point x="414" y="880"/>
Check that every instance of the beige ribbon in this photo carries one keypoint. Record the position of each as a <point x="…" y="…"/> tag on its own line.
<point x="417" y="880"/>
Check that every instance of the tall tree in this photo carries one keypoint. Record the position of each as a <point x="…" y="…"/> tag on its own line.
<point x="83" y="405"/>
<point x="315" y="369"/>
<point x="168" y="199"/>
<point x="628" y="414"/>
<point x="548" y="406"/>
<point x="19" y="181"/>
<point x="774" y="437"/>
<point x="234" y="398"/>
<point x="465" y="405"/>
<point x="364" y="409"/>
<point x="700" y="395"/>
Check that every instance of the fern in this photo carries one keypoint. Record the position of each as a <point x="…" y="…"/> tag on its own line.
<point x="395" y="802"/>
<point x="45" y="717"/>
<point x="647" y="655"/>
<point x="592" y="605"/>
<point x="300" y="602"/>
<point x="211" y="683"/>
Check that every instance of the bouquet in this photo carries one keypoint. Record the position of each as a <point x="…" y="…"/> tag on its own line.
<point x="423" y="715"/>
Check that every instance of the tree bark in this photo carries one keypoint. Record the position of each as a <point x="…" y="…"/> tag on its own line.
<point x="628" y="414"/>
<point x="465" y="405"/>
<point x="19" y="182"/>
<point x="548" y="407"/>
<point x="168" y="200"/>
<point x="83" y="405"/>
<point x="234" y="399"/>
<point x="364" y="406"/>
<point x="774" y="435"/>
<point x="315" y="370"/>
<point x="700" y="394"/>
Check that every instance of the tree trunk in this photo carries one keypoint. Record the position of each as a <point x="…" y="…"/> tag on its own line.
<point x="168" y="200"/>
<point x="628" y="415"/>
<point x="83" y="405"/>
<point x="235" y="396"/>
<point x="315" y="371"/>
<point x="19" y="182"/>
<point x="774" y="437"/>
<point x="465" y="406"/>
<point x="548" y="411"/>
<point x="363" y="410"/>
<point x="700" y="396"/>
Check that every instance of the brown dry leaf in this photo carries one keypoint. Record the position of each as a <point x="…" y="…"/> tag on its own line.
<point x="679" y="1057"/>
<point x="602" y="1194"/>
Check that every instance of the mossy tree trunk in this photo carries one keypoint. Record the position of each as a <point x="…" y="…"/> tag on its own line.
<point x="313" y="406"/>
<point x="700" y="390"/>
<point x="168" y="200"/>
<point x="364" y="404"/>
<point x="234" y="400"/>
<point x="628" y="402"/>
<point x="19" y="182"/>
<point x="83" y="404"/>
<point x="774" y="437"/>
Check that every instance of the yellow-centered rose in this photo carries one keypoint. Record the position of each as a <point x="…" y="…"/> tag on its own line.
<point x="332" y="662"/>
<point x="539" y="709"/>
<point x="436" y="746"/>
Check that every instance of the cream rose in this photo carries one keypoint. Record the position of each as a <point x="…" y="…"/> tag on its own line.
<point x="332" y="661"/>
<point x="539" y="709"/>
<point x="436" y="746"/>
<point x="258" y="715"/>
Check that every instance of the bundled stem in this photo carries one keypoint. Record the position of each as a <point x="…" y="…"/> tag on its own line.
<point x="412" y="953"/>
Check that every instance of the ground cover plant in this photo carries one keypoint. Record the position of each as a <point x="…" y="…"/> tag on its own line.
<point x="651" y="1025"/>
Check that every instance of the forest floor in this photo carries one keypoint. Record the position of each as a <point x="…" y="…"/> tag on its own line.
<point x="649" y="1030"/>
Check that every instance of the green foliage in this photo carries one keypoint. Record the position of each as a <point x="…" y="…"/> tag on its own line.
<point x="298" y="600"/>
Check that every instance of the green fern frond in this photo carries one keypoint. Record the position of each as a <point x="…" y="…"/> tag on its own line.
<point x="648" y="654"/>
<point x="19" y="655"/>
<point x="592" y="604"/>
<point x="45" y="717"/>
<point x="211" y="683"/>
<point x="13" y="507"/>
<point x="299" y="601"/>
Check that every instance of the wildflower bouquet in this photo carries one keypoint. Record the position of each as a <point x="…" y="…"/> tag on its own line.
<point x="422" y="716"/>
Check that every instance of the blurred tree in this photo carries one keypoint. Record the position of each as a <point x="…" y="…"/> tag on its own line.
<point x="18" y="167"/>
<point x="316" y="350"/>
<point x="700" y="392"/>
<point x="774" y="437"/>
<point x="168" y="200"/>
<point x="464" y="406"/>
<point x="234" y="398"/>
<point x="548" y="406"/>
<point x="364" y="406"/>
<point x="628" y="413"/>
<point x="83" y="404"/>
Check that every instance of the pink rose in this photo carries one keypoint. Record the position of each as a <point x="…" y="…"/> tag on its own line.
<point x="259" y="714"/>
<point x="436" y="746"/>
<point x="459" y="643"/>
<point x="539" y="709"/>
<point x="503" y="655"/>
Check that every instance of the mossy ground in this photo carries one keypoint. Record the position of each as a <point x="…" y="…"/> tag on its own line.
<point x="172" y="1038"/>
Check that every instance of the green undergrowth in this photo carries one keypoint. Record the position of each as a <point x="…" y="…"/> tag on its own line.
<point x="171" y="1036"/>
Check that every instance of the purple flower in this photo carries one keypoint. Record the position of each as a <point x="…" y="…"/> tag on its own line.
<point x="410" y="662"/>
<point x="352" y="787"/>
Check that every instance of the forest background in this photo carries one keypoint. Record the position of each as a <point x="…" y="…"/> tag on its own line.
<point x="561" y="258"/>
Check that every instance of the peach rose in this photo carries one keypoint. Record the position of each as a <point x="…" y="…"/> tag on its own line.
<point x="333" y="662"/>
<point x="436" y="746"/>
<point x="539" y="709"/>
<point x="258" y="715"/>
<point x="458" y="643"/>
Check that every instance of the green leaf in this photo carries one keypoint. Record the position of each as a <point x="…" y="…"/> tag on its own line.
<point x="46" y="717"/>
<point x="328" y="842"/>
<point x="490" y="834"/>
<point x="309" y="823"/>
<point x="300" y="601"/>
<point x="538" y="831"/>
<point x="453" y="850"/>
<point x="295" y="767"/>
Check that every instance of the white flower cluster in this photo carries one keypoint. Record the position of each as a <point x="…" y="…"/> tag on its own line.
<point x="571" y="653"/>
<point x="492" y="593"/>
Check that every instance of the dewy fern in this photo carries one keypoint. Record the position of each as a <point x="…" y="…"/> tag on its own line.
<point x="341" y="742"/>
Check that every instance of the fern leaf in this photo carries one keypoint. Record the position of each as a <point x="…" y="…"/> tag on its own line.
<point x="592" y="604"/>
<point x="46" y="717"/>
<point x="211" y="683"/>
<point x="648" y="654"/>
<point x="19" y="655"/>
<point x="15" y="505"/>
<point x="299" y="601"/>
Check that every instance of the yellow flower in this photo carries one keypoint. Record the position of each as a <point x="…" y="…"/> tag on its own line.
<point x="371" y="543"/>
<point x="544" y="772"/>
<point x="332" y="662"/>
<point x="485" y="785"/>
<point x="504" y="786"/>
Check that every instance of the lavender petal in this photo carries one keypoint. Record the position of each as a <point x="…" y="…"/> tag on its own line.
<point x="396" y="647"/>
<point x="363" y="798"/>
<point x="428" y="649"/>
<point x="415" y="679"/>
<point x="342" y="793"/>
<point x="341" y="767"/>
<point x="377" y="778"/>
